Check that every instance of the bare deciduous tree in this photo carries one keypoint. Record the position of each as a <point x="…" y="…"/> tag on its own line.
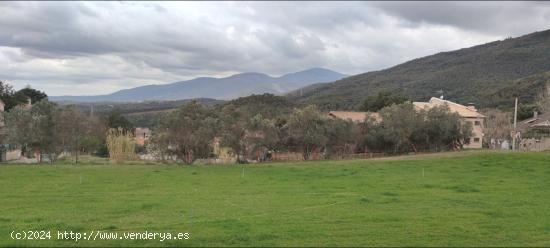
<point x="543" y="99"/>
<point x="498" y="126"/>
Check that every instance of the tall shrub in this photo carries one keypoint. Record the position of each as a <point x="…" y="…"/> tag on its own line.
<point x="121" y="145"/>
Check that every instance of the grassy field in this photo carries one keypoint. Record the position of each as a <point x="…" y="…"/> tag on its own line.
<point x="454" y="199"/>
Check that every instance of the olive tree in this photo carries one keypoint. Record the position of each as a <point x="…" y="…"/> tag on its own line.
<point x="404" y="129"/>
<point x="342" y="136"/>
<point x="74" y="128"/>
<point x="441" y="129"/>
<point x="187" y="132"/>
<point x="262" y="134"/>
<point x="234" y="130"/>
<point x="400" y="121"/>
<point x="307" y="127"/>
<point x="35" y="128"/>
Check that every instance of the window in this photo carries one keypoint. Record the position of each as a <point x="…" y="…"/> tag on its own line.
<point x="476" y="140"/>
<point x="477" y="123"/>
<point x="467" y="141"/>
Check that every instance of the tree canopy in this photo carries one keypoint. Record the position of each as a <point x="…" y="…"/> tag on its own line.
<point x="12" y="98"/>
<point x="116" y="120"/>
<point x="404" y="129"/>
<point x="187" y="133"/>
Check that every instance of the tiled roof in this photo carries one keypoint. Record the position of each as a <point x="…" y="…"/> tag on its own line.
<point x="354" y="116"/>
<point x="542" y="124"/>
<point x="542" y="120"/>
<point x="463" y="111"/>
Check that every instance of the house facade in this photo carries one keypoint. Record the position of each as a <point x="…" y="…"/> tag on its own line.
<point x="142" y="135"/>
<point x="466" y="113"/>
<point x="534" y="133"/>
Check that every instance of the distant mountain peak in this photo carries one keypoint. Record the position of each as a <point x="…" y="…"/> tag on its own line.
<point x="234" y="86"/>
<point x="248" y="74"/>
<point x="318" y="69"/>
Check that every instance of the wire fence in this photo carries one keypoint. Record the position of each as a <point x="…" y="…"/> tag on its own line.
<point x="298" y="156"/>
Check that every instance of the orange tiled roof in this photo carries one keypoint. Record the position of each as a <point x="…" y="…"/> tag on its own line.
<point x="352" y="115"/>
<point x="463" y="111"/>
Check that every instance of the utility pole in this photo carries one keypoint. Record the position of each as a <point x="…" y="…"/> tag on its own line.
<point x="515" y="121"/>
<point x="77" y="146"/>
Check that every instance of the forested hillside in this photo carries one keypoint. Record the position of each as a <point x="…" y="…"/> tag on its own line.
<point x="140" y="114"/>
<point x="136" y="107"/>
<point x="268" y="105"/>
<point x="488" y="75"/>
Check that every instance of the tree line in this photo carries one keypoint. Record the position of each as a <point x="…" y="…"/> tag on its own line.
<point x="251" y="127"/>
<point x="265" y="123"/>
<point x="47" y="129"/>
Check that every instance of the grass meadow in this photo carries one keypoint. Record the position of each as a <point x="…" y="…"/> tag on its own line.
<point x="452" y="199"/>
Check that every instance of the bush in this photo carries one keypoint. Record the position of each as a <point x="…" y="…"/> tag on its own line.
<point x="102" y="151"/>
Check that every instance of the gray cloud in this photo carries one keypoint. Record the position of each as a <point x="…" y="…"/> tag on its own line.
<point x="497" y="18"/>
<point x="99" y="47"/>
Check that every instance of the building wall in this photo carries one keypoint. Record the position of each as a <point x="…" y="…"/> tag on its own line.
<point x="535" y="145"/>
<point x="142" y="135"/>
<point x="13" y="154"/>
<point x="476" y="141"/>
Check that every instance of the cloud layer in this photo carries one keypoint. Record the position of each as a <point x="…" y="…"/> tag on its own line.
<point x="86" y="48"/>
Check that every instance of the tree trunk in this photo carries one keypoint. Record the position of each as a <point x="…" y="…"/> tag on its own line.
<point x="188" y="156"/>
<point x="414" y="148"/>
<point x="38" y="155"/>
<point x="306" y="152"/>
<point x="396" y="148"/>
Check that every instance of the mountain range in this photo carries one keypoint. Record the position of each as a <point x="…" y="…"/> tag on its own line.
<point x="231" y="87"/>
<point x="488" y="75"/>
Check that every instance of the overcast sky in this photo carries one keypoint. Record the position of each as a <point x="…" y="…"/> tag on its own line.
<point x="86" y="48"/>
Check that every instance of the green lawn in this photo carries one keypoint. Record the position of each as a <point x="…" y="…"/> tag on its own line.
<point x="456" y="199"/>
